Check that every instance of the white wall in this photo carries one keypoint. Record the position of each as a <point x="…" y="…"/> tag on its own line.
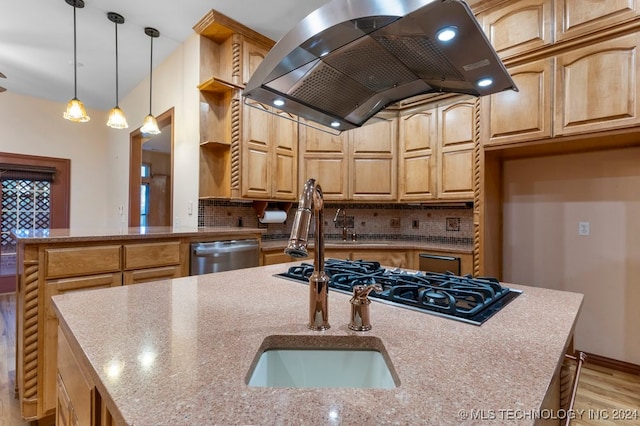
<point x="33" y="126"/>
<point x="175" y="84"/>
<point x="544" y="200"/>
<point x="100" y="155"/>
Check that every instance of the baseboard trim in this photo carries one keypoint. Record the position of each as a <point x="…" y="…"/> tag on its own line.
<point x="614" y="364"/>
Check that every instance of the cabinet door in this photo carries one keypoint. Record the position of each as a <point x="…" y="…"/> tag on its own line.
<point x="73" y="386"/>
<point x="519" y="27"/>
<point x="324" y="158"/>
<point x="575" y="18"/>
<point x="373" y="167"/>
<point x="597" y="87"/>
<point x="255" y="152"/>
<point x="524" y="115"/>
<point x="252" y="57"/>
<point x="48" y="353"/>
<point x="417" y="158"/>
<point x="284" y="185"/>
<point x="455" y="154"/>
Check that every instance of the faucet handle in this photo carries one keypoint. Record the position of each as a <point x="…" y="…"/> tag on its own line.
<point x="360" y="320"/>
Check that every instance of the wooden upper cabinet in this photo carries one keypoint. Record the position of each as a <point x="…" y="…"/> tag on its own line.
<point x="373" y="167"/>
<point x="524" y="115"/>
<point x="577" y="17"/>
<point x="359" y="164"/>
<point x="255" y="152"/>
<point x="284" y="176"/>
<point x="269" y="154"/>
<point x="416" y="156"/>
<point x="436" y="152"/>
<point x="252" y="57"/>
<point x="323" y="156"/>
<point x="229" y="54"/>
<point x="597" y="87"/>
<point x="519" y="27"/>
<point x="455" y="151"/>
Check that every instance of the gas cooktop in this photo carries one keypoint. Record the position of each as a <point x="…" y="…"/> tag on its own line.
<point x="463" y="298"/>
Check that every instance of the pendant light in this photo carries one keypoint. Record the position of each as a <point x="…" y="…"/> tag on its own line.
<point x="75" y="109"/>
<point x="150" y="125"/>
<point x="117" y="120"/>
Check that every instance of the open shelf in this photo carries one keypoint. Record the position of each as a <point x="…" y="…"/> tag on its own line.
<point x="218" y="85"/>
<point x="215" y="145"/>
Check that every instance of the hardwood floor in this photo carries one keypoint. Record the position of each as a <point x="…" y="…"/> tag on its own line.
<point x="604" y="395"/>
<point x="607" y="397"/>
<point x="9" y="409"/>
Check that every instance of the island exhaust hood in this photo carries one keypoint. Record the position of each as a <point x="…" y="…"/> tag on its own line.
<point x="350" y="59"/>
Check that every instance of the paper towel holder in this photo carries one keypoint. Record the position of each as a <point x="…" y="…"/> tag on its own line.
<point x="261" y="206"/>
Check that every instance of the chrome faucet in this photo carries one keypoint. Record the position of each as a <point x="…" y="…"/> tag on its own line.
<point x="344" y="222"/>
<point x="312" y="198"/>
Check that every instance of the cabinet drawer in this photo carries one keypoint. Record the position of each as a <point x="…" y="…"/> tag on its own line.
<point x="152" y="274"/>
<point x="71" y="262"/>
<point x="149" y="255"/>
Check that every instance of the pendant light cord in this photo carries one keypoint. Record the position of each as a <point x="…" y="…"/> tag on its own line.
<point x="116" y="24"/>
<point x="75" y="62"/>
<point x="150" y="75"/>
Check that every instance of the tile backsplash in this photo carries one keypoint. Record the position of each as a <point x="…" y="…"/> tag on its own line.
<point x="442" y="224"/>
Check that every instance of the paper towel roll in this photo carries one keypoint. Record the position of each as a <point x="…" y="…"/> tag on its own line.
<point x="273" y="216"/>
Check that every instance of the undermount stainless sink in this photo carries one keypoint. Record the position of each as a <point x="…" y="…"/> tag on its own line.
<point x="322" y="362"/>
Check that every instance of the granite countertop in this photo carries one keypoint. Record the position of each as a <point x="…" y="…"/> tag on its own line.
<point x="178" y="352"/>
<point x="64" y="235"/>
<point x="378" y="244"/>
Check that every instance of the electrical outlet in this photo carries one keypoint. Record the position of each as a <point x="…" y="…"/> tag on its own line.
<point x="395" y="222"/>
<point x="583" y="228"/>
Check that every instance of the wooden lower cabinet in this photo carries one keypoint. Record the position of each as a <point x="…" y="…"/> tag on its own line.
<point x="386" y="257"/>
<point x="272" y="257"/>
<point x="78" y="400"/>
<point x="50" y="335"/>
<point x="466" y="259"/>
<point x="50" y="269"/>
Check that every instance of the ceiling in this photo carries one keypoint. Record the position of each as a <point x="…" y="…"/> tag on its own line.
<point x="36" y="41"/>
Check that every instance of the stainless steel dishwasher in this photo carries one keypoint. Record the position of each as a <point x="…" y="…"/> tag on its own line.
<point x="217" y="256"/>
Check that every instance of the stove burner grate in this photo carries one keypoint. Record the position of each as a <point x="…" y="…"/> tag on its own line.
<point x="459" y="297"/>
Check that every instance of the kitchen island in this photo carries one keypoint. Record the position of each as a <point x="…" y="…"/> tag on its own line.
<point x="179" y="352"/>
<point x="55" y="261"/>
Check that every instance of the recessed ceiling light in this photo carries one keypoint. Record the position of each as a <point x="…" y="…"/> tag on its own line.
<point x="278" y="102"/>
<point x="447" y="33"/>
<point x="484" y="82"/>
<point x="335" y="124"/>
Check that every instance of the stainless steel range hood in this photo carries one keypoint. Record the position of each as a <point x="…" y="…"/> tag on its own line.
<point x="349" y="59"/>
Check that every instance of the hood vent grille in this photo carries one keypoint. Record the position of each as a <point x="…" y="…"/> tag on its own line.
<point x="422" y="56"/>
<point x="351" y="58"/>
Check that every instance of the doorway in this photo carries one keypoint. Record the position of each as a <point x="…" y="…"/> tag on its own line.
<point x="150" y="175"/>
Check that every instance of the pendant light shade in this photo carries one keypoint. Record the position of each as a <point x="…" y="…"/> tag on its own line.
<point x="117" y="120"/>
<point x="150" y="126"/>
<point x="75" y="109"/>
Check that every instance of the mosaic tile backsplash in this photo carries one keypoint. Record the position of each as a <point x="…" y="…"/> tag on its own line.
<point x="441" y="224"/>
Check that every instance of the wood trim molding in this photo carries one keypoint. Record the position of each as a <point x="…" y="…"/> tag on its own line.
<point x="614" y="364"/>
<point x="135" y="162"/>
<point x="60" y="187"/>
